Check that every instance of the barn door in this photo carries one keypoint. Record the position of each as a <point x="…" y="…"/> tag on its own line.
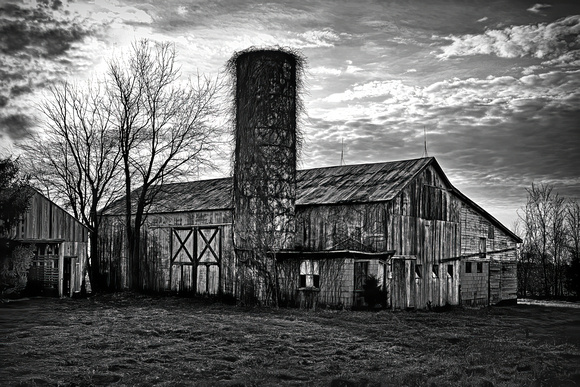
<point x="208" y="259"/>
<point x="403" y="283"/>
<point x="182" y="260"/>
<point x="361" y="273"/>
<point x="196" y="254"/>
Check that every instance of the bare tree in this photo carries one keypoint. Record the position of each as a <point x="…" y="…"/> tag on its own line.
<point x="165" y="128"/>
<point x="545" y="235"/>
<point x="573" y="225"/>
<point x="75" y="159"/>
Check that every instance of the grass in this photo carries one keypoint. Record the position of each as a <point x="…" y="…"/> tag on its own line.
<point x="130" y="339"/>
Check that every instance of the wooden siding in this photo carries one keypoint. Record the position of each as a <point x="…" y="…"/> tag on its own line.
<point x="422" y="222"/>
<point x="433" y="229"/>
<point x="47" y="221"/>
<point x="160" y="244"/>
<point x="500" y="259"/>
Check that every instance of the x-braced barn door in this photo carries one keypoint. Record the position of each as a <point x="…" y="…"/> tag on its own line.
<point x="209" y="254"/>
<point x="195" y="259"/>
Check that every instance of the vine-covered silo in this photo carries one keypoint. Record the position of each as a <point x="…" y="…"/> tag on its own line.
<point x="265" y="156"/>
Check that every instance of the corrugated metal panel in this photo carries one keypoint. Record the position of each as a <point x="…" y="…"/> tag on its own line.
<point x="356" y="183"/>
<point x="345" y="184"/>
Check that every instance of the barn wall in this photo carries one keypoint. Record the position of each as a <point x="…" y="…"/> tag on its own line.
<point x="500" y="259"/>
<point x="422" y="222"/>
<point x="47" y="221"/>
<point x="157" y="244"/>
<point x="337" y="283"/>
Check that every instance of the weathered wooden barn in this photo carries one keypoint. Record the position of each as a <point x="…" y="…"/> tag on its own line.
<point x="60" y="245"/>
<point x="402" y="222"/>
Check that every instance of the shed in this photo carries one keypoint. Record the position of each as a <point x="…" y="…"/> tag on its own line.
<point x="402" y="222"/>
<point x="60" y="247"/>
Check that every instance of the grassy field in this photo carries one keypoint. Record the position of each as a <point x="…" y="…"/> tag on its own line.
<point x="128" y="339"/>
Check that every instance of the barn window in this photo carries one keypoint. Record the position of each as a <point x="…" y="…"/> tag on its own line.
<point x="418" y="271"/>
<point x="482" y="248"/>
<point x="490" y="232"/>
<point x="309" y="274"/>
<point x="468" y="267"/>
<point x="480" y="267"/>
<point x="435" y="271"/>
<point x="450" y="270"/>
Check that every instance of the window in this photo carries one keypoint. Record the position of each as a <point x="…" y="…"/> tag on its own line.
<point x="435" y="271"/>
<point x="309" y="274"/>
<point x="418" y="271"/>
<point x="468" y="267"/>
<point x="450" y="270"/>
<point x="480" y="267"/>
<point x="482" y="248"/>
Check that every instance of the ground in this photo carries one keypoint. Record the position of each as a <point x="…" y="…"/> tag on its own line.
<point x="129" y="339"/>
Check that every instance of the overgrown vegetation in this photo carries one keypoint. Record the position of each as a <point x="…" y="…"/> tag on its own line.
<point x="130" y="339"/>
<point x="267" y="140"/>
<point x="15" y="196"/>
<point x="373" y="293"/>
<point x="549" y="258"/>
<point x="15" y="260"/>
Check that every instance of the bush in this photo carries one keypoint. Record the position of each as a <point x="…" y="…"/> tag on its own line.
<point x="14" y="264"/>
<point x="373" y="294"/>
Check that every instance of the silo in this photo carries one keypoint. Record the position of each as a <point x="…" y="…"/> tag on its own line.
<point x="265" y="155"/>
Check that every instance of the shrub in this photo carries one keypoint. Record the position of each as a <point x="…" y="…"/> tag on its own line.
<point x="373" y="294"/>
<point x="14" y="265"/>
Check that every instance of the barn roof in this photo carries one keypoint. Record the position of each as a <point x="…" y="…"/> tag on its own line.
<point x="362" y="183"/>
<point x="331" y="185"/>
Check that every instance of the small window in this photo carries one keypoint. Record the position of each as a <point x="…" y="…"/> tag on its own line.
<point x="480" y="267"/>
<point x="435" y="271"/>
<point x="309" y="274"/>
<point x="482" y="247"/>
<point x="450" y="270"/>
<point x="418" y="271"/>
<point x="468" y="267"/>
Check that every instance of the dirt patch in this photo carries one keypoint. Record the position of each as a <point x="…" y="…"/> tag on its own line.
<point x="128" y="339"/>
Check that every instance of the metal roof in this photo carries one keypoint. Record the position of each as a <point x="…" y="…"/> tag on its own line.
<point x="361" y="183"/>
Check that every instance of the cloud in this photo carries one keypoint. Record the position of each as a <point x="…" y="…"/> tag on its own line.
<point x="325" y="71"/>
<point x="37" y="32"/>
<point x="470" y="122"/>
<point x="16" y="126"/>
<point x="320" y="38"/>
<point x="538" y="7"/>
<point x="544" y="41"/>
<point x="482" y="19"/>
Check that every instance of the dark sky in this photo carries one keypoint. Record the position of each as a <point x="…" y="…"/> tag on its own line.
<point x="495" y="85"/>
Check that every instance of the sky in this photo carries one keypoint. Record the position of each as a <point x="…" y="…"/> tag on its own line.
<point x="492" y="86"/>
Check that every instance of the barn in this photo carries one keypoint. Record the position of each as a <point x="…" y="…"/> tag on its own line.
<point x="402" y="222"/>
<point x="311" y="237"/>
<point x="59" y="242"/>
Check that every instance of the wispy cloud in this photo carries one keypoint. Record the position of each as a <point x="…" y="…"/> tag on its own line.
<point x="319" y="38"/>
<point x="537" y="8"/>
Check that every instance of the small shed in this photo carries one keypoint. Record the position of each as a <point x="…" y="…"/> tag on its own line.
<point x="60" y="244"/>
